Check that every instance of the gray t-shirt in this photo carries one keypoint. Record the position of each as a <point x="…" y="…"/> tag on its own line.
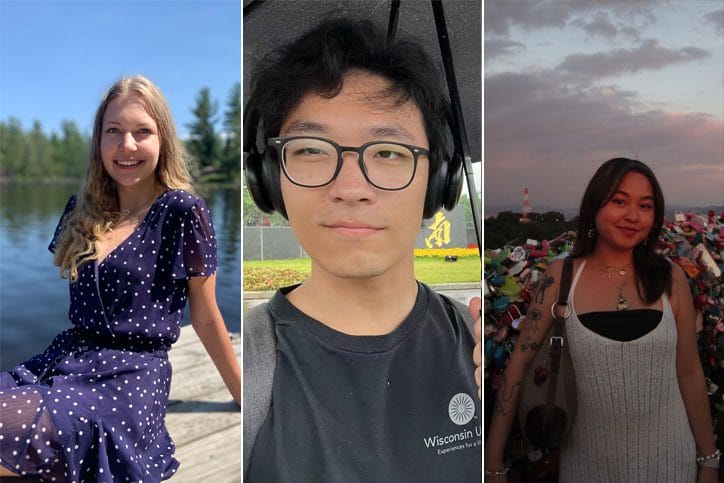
<point x="393" y="408"/>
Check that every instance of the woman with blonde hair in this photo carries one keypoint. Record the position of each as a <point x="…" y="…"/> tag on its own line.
<point x="136" y="243"/>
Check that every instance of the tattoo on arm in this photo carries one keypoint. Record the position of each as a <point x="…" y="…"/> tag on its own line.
<point x="529" y="344"/>
<point x="533" y="316"/>
<point x="539" y="295"/>
<point x="505" y="394"/>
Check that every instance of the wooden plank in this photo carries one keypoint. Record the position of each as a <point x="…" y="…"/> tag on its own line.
<point x="196" y="381"/>
<point x="193" y="354"/>
<point x="202" y="418"/>
<point x="188" y="336"/>
<point x="193" y="420"/>
<point x="215" y="458"/>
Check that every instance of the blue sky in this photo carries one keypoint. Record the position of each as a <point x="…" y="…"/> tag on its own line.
<point x="569" y="85"/>
<point x="59" y="57"/>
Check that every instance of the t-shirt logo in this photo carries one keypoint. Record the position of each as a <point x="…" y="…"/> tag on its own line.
<point x="461" y="408"/>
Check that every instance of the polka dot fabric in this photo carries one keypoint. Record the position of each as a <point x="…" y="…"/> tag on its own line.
<point x="91" y="407"/>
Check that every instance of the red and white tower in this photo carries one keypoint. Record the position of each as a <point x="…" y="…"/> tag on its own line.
<point x="526" y="205"/>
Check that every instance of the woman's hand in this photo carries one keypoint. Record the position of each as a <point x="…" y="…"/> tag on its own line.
<point x="475" y="308"/>
<point x="209" y="326"/>
<point x="496" y="478"/>
<point x="707" y="475"/>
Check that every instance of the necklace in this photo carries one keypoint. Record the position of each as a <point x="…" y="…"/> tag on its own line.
<point x="126" y="212"/>
<point x="623" y="271"/>
<point x="608" y="269"/>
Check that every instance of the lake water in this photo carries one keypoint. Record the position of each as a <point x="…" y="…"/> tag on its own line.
<point x="33" y="297"/>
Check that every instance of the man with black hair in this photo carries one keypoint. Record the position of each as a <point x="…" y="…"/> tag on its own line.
<point x="371" y="374"/>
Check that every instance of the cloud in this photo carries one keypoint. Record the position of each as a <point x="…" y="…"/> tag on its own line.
<point x="551" y="136"/>
<point x="631" y="32"/>
<point x="649" y="55"/>
<point x="600" y="25"/>
<point x="717" y="19"/>
<point x="500" y="47"/>
<point x="501" y="15"/>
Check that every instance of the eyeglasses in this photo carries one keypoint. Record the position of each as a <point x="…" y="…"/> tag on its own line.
<point x="312" y="162"/>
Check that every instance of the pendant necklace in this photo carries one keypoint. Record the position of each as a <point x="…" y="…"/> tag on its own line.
<point x="126" y="212"/>
<point x="609" y="271"/>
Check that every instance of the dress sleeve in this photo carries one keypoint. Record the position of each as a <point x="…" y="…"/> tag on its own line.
<point x="61" y="223"/>
<point x="196" y="252"/>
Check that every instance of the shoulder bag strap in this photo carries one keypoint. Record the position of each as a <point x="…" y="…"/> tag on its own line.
<point x="562" y="302"/>
<point x="260" y="358"/>
<point x="458" y="310"/>
<point x="557" y="338"/>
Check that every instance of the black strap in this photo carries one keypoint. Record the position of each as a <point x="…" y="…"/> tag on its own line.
<point x="458" y="310"/>
<point x="564" y="289"/>
<point x="556" y="341"/>
<point x="566" y="279"/>
<point x="260" y="358"/>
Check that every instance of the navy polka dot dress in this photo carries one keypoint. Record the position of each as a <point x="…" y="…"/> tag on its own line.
<point x="91" y="407"/>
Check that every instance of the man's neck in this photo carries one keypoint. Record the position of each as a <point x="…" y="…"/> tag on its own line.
<point x="357" y="306"/>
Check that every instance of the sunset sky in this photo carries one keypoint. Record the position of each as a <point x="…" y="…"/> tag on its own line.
<point x="569" y="85"/>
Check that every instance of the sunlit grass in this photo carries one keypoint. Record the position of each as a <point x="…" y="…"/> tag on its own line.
<point x="272" y="274"/>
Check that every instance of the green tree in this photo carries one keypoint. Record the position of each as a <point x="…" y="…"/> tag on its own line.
<point x="507" y="228"/>
<point x="204" y="144"/>
<point x="38" y="162"/>
<point x="231" y="163"/>
<point x="465" y="203"/>
<point x="13" y="148"/>
<point x="253" y="216"/>
<point x="71" y="159"/>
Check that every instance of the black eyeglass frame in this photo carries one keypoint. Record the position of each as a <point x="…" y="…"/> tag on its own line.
<point x="279" y="143"/>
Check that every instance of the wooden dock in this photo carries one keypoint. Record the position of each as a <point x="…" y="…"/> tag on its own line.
<point x="202" y="418"/>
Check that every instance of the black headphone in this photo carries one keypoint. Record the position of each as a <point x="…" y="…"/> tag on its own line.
<point x="262" y="173"/>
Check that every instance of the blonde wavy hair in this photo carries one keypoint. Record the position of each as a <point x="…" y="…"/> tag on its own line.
<point x="97" y="206"/>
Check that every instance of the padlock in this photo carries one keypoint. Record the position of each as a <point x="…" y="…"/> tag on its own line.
<point x="501" y="304"/>
<point x="510" y="345"/>
<point x="518" y="255"/>
<point x="501" y="334"/>
<point x="534" y="454"/>
<point x="500" y="357"/>
<point x="711" y="387"/>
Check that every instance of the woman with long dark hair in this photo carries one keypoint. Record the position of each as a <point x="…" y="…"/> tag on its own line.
<point x="642" y="406"/>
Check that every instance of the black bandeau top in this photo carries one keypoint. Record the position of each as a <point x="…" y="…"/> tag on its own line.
<point x="624" y="325"/>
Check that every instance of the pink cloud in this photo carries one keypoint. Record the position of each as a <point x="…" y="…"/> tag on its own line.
<point x="549" y="136"/>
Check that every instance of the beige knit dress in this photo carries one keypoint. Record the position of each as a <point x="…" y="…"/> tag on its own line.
<point x="631" y="424"/>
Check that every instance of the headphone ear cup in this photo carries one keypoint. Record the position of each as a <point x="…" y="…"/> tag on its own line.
<point x="272" y="184"/>
<point x="255" y="182"/>
<point x="453" y="183"/>
<point x="435" y="190"/>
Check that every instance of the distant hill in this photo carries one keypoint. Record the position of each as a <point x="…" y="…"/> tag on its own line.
<point x="518" y="208"/>
<point x="572" y="212"/>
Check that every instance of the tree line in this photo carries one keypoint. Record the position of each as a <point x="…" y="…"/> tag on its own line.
<point x="214" y="153"/>
<point x="507" y="228"/>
